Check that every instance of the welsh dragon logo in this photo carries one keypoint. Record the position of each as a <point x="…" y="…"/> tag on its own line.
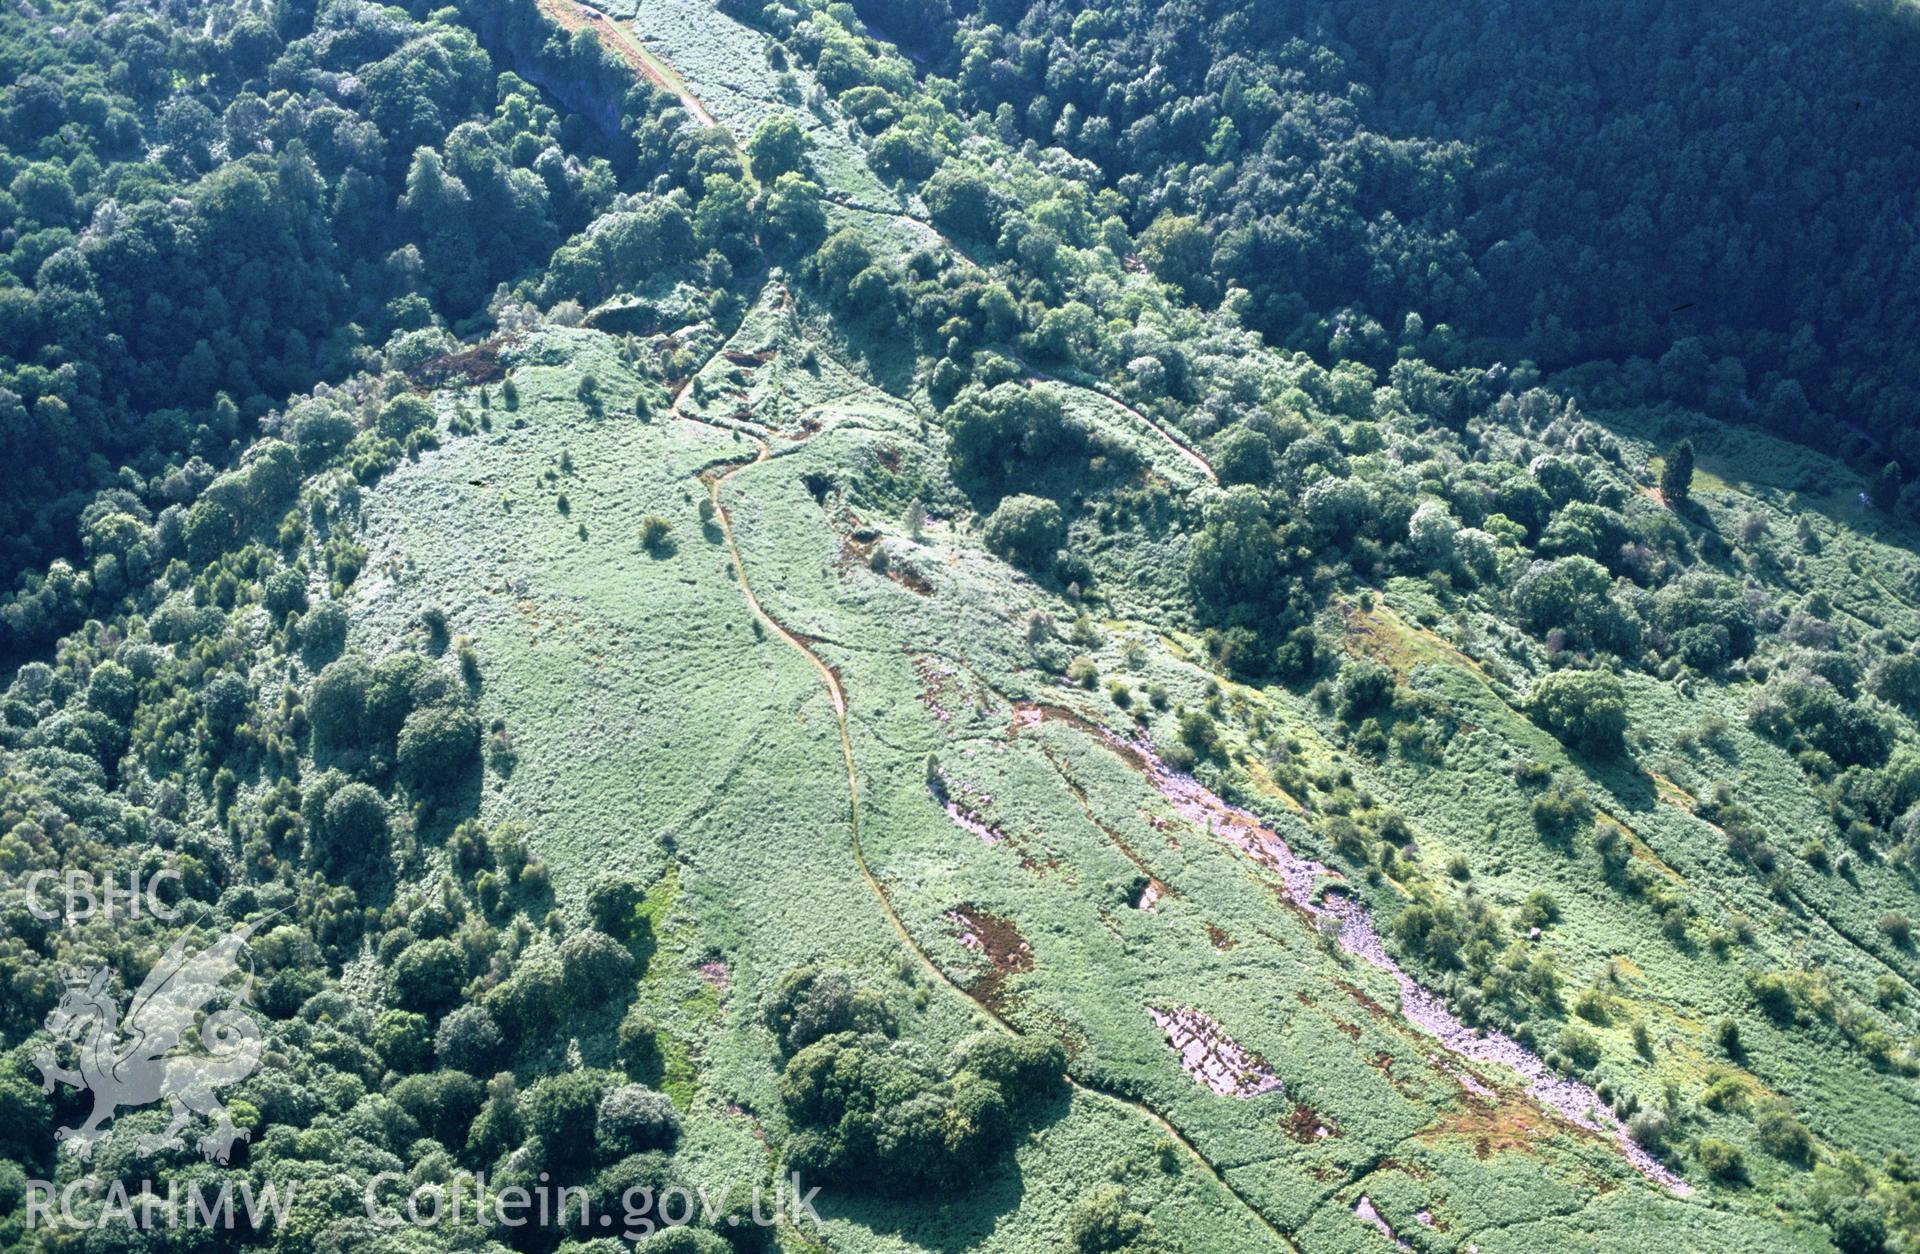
<point x="137" y="1062"/>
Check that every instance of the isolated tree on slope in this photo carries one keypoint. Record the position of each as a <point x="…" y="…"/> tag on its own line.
<point x="1244" y="456"/>
<point x="961" y="200"/>
<point x="1026" y="530"/>
<point x="1676" y="476"/>
<point x="777" y="147"/>
<point x="1587" y="709"/>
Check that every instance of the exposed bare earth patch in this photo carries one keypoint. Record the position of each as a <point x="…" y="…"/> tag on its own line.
<point x="1307" y="1125"/>
<point x="1508" y="1128"/>
<point x="1032" y="715"/>
<point x="1001" y="942"/>
<point x="1363" y="1208"/>
<point x="1573" y="1101"/>
<point x="479" y="364"/>
<point x="1212" y="1057"/>
<point x="910" y="579"/>
<point x="961" y="811"/>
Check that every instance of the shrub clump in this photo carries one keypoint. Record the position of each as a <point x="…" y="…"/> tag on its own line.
<point x="811" y="1003"/>
<point x="656" y="534"/>
<point x="593" y="965"/>
<point x="634" y="1117"/>
<point x="469" y="1040"/>
<point x="427" y="976"/>
<point x="438" y="745"/>
<point x="1026" y="530"/>
<point x="867" y="1113"/>
<point x="1586" y="709"/>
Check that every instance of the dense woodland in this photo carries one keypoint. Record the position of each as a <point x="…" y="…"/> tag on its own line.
<point x="1714" y="203"/>
<point x="208" y="213"/>
<point x="1380" y="264"/>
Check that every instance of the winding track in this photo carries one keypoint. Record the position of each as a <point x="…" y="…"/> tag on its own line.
<point x="578" y="15"/>
<point x="1186" y="451"/>
<point x="573" y="15"/>
<point x="837" y="694"/>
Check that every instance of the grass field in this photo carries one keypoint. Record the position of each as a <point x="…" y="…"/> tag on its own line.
<point x="661" y="727"/>
<point x="1133" y="741"/>
<point x="613" y="662"/>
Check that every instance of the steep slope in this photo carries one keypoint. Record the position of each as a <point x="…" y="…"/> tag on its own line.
<point x="934" y="710"/>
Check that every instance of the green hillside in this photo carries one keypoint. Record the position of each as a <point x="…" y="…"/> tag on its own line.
<point x="800" y="613"/>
